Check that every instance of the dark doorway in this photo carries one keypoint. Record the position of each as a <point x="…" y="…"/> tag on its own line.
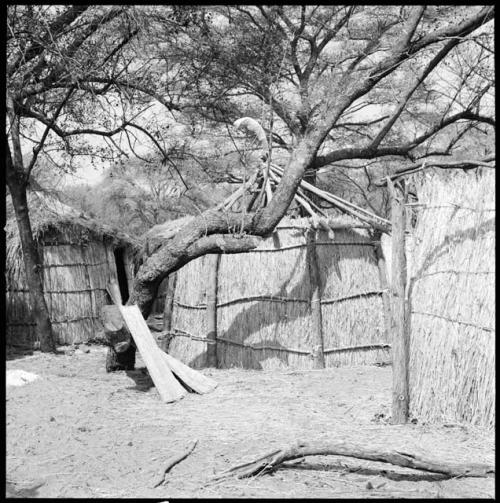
<point x="121" y="273"/>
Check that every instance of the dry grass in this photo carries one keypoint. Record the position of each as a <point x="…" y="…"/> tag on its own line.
<point x="452" y="369"/>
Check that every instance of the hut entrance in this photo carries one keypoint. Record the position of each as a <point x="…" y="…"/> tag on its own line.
<point x="121" y="273"/>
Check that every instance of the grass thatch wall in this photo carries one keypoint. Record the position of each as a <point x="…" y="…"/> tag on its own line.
<point x="78" y="261"/>
<point x="452" y="365"/>
<point x="280" y="329"/>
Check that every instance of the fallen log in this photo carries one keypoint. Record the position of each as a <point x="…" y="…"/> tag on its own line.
<point x="272" y="460"/>
<point x="171" y="462"/>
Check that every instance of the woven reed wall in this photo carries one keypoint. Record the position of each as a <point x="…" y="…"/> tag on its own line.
<point x="75" y="274"/>
<point x="452" y="350"/>
<point x="279" y="328"/>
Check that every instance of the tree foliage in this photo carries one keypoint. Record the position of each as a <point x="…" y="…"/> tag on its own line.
<point x="346" y="94"/>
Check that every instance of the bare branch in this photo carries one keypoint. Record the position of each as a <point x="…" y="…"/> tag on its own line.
<point x="464" y="164"/>
<point x="367" y="152"/>
<point x="38" y="148"/>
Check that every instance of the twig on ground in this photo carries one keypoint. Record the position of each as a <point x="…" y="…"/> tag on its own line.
<point x="171" y="462"/>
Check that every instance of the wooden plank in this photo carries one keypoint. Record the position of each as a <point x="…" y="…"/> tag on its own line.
<point x="167" y="385"/>
<point x="195" y="380"/>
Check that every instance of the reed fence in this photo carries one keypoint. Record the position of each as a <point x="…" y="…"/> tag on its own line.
<point x="452" y="299"/>
<point x="302" y="299"/>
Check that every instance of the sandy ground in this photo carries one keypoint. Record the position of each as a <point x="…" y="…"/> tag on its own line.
<point x="80" y="432"/>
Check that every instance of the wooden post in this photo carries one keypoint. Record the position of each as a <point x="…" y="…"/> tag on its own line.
<point x="384" y="285"/>
<point x="399" y="327"/>
<point x="317" y="321"/>
<point x="213" y="268"/>
<point x="168" y="308"/>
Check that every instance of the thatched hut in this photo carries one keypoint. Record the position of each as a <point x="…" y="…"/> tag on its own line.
<point x="265" y="301"/>
<point x="79" y="257"/>
<point x="452" y="294"/>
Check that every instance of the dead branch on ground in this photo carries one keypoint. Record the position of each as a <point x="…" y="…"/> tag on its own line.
<point x="273" y="460"/>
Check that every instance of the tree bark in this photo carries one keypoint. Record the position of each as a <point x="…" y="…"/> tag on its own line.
<point x="31" y="257"/>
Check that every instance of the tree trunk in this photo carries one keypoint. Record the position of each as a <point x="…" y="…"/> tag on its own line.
<point x="217" y="231"/>
<point x="32" y="262"/>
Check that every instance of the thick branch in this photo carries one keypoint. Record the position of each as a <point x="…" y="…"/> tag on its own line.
<point x="274" y="459"/>
<point x="464" y="164"/>
<point x="368" y="152"/>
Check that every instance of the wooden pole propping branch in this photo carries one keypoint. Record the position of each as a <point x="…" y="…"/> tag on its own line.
<point x="399" y="325"/>
<point x="213" y="272"/>
<point x="317" y="321"/>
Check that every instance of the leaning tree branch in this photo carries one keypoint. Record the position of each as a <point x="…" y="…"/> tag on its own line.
<point x="368" y="152"/>
<point x="271" y="461"/>
<point x="464" y="164"/>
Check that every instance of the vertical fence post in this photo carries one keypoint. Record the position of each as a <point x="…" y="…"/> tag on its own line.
<point x="213" y="270"/>
<point x="317" y="321"/>
<point x="384" y="285"/>
<point x="168" y="308"/>
<point x="399" y="327"/>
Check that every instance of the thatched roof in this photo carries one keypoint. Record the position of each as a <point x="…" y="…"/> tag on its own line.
<point x="48" y="215"/>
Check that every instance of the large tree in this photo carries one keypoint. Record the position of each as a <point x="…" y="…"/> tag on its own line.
<point x="335" y="87"/>
<point x="314" y="73"/>
<point x="72" y="73"/>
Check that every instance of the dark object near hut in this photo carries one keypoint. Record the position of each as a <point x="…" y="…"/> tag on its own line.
<point x="121" y="354"/>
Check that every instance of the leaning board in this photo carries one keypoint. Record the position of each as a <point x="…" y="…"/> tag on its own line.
<point x="195" y="380"/>
<point x="167" y="385"/>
